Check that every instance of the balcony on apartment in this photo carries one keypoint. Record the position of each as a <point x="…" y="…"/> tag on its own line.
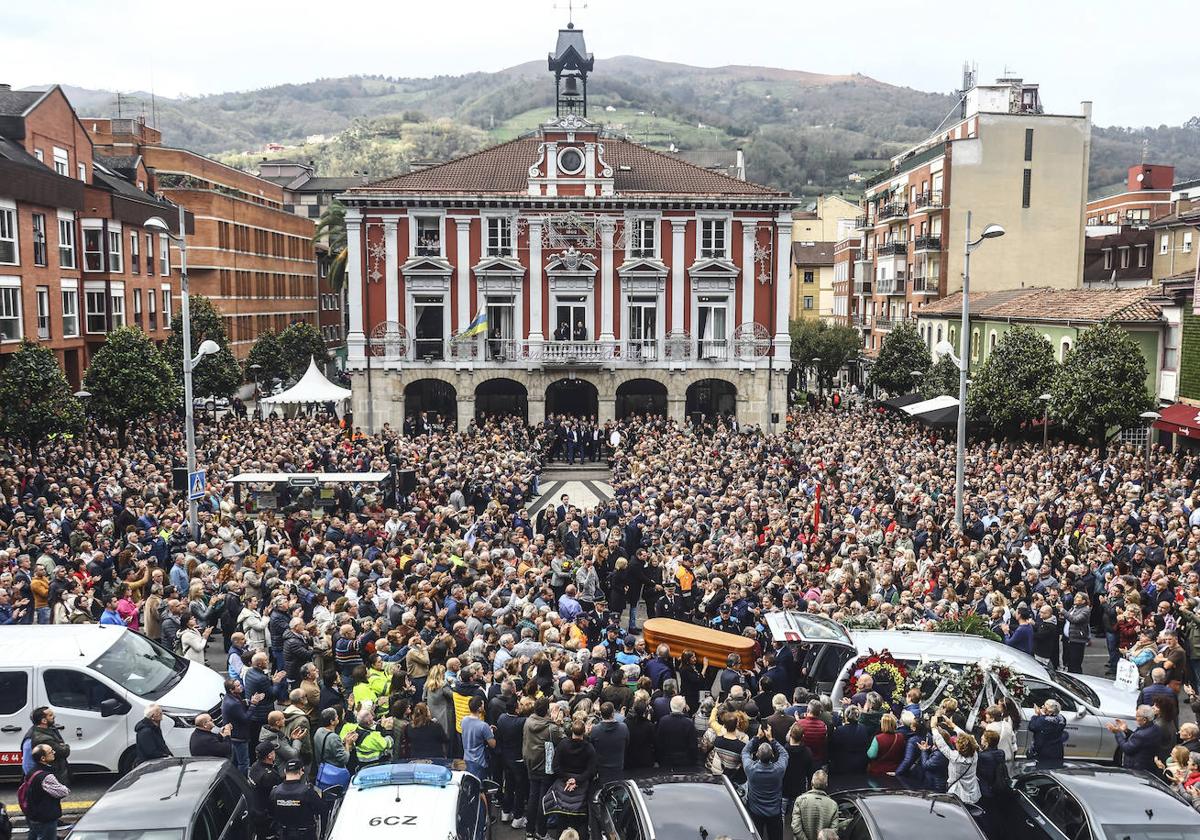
<point x="895" y="285"/>
<point x="893" y="210"/>
<point x="582" y="354"/>
<point x="927" y="201"/>
<point x="927" y="243"/>
<point x="892" y="249"/>
<point x="862" y="222"/>
<point x="925" y="281"/>
<point x="862" y="285"/>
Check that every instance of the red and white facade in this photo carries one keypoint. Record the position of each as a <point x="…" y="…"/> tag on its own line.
<point x="672" y="282"/>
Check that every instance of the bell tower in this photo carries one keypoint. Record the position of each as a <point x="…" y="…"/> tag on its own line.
<point x="570" y="62"/>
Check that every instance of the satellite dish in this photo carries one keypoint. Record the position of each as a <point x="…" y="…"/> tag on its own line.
<point x="1141" y="177"/>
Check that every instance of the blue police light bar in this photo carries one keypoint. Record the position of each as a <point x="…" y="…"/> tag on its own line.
<point x="402" y="774"/>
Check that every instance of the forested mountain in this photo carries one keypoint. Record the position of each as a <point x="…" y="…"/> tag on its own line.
<point x="804" y="132"/>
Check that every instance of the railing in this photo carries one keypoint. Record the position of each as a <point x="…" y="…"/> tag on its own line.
<point x="891" y="285"/>
<point x="578" y="352"/>
<point x="885" y="324"/>
<point x="433" y="349"/>
<point x="928" y="201"/>
<point x="893" y="210"/>
<point x="892" y="249"/>
<point x="927" y="243"/>
<point x="516" y="351"/>
<point x="862" y="222"/>
<point x="923" y="284"/>
<point x="862" y="287"/>
<point x="643" y="350"/>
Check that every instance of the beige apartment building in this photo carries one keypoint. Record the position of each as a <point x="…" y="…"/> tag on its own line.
<point x="814" y="234"/>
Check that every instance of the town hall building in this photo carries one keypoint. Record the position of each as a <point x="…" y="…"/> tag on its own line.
<point x="569" y="271"/>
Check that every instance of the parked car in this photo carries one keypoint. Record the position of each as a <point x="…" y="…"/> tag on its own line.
<point x="905" y="814"/>
<point x="210" y="403"/>
<point x="675" y="807"/>
<point x="172" y="799"/>
<point x="827" y="653"/>
<point x="1080" y="801"/>
<point x="99" y="679"/>
<point x="413" y="800"/>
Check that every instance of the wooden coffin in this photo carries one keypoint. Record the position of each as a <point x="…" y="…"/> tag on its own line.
<point x="714" y="645"/>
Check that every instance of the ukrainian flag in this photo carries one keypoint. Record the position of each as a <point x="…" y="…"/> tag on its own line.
<point x="477" y="327"/>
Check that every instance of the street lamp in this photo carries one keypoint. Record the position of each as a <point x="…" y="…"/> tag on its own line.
<point x="816" y="366"/>
<point x="917" y="376"/>
<point x="83" y="396"/>
<point x="255" y="370"/>
<point x="960" y="462"/>
<point x="1045" y="398"/>
<point x="155" y="224"/>
<point x="1149" y="417"/>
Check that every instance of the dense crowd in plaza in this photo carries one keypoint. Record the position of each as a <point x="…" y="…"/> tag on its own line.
<point x="451" y="623"/>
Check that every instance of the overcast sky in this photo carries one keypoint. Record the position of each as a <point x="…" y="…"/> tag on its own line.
<point x="1074" y="50"/>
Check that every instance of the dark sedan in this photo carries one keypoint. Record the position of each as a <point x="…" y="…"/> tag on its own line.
<point x="1089" y="802"/>
<point x="690" y="806"/>
<point x="904" y="815"/>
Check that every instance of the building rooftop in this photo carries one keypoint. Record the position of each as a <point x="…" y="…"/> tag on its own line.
<point x="980" y="301"/>
<point x="1056" y="304"/>
<point x="812" y="253"/>
<point x="505" y="169"/>
<point x="15" y="103"/>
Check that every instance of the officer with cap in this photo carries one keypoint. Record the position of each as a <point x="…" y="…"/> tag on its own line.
<point x="295" y="806"/>
<point x="669" y="605"/>
<point x="264" y="778"/>
<point x="726" y="621"/>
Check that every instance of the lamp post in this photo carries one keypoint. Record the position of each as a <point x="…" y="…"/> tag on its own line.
<point x="816" y="366"/>
<point x="207" y="348"/>
<point x="1045" y="398"/>
<point x="916" y="375"/>
<point x="255" y="369"/>
<point x="83" y="396"/>
<point x="1149" y="417"/>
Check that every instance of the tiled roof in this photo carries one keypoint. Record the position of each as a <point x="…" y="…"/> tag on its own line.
<point x="980" y="302"/>
<point x="812" y="253"/>
<point x="505" y="169"/>
<point x="14" y="103"/>
<point x="1056" y="304"/>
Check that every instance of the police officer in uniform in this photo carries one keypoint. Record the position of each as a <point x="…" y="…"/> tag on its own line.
<point x="670" y="606"/>
<point x="264" y="778"/>
<point x="296" y="807"/>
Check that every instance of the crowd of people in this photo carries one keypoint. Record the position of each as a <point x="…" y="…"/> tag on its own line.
<point x="447" y="622"/>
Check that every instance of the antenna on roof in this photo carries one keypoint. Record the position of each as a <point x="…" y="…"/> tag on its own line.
<point x="571" y="12"/>
<point x="153" y="102"/>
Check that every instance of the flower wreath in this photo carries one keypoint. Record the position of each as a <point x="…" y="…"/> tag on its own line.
<point x="882" y="668"/>
<point x="965" y="684"/>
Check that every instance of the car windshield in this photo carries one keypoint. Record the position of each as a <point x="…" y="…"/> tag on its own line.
<point x="1075" y="686"/>
<point x="131" y="834"/>
<point x="1152" y="832"/>
<point x="139" y="665"/>
<point x="684" y="809"/>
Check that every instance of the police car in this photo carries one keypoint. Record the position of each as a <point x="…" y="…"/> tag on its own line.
<point x="413" y="800"/>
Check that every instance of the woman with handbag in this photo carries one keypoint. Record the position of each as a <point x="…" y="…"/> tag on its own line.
<point x="332" y="752"/>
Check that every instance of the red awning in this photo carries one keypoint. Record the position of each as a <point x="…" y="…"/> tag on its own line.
<point x="1180" y="419"/>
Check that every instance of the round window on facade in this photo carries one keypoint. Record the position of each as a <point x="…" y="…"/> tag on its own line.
<point x="570" y="161"/>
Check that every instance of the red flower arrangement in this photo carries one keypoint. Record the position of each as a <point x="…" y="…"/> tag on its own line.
<point x="882" y="668"/>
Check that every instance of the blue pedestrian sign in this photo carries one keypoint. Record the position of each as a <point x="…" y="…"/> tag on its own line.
<point x="196" y="485"/>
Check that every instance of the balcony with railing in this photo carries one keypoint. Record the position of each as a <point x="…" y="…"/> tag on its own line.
<point x="892" y="249"/>
<point x="862" y="222"/>
<point x="893" y="210"/>
<point x="891" y="285"/>
<point x="864" y="266"/>
<point x="927" y="243"/>
<point x="862" y="286"/>
<point x="925" y="282"/>
<point x="927" y="201"/>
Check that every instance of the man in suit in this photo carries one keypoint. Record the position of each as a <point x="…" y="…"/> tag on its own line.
<point x="573" y="438"/>
<point x="670" y="606"/>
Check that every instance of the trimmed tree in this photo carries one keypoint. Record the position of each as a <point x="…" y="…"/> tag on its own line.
<point x="218" y="375"/>
<point x="298" y="343"/>
<point x="941" y="380"/>
<point x="1102" y="383"/>
<point x="35" y="398"/>
<point x="129" y="381"/>
<point x="902" y="352"/>
<point x="268" y="355"/>
<point x="1005" y="389"/>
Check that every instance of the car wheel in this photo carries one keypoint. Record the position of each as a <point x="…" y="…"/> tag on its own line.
<point x="125" y="763"/>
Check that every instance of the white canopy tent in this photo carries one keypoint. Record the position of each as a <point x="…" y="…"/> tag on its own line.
<point x="313" y="387"/>
<point x="926" y="406"/>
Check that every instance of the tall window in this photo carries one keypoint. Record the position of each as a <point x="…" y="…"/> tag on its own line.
<point x="712" y="237"/>
<point x="70" y="309"/>
<point x="39" y="239"/>
<point x="118" y="309"/>
<point x="10" y="313"/>
<point x="164" y="255"/>
<point x="152" y="309"/>
<point x="1143" y="255"/>
<point x="1164" y="243"/>
<point x="137" y="306"/>
<point x="1026" y="184"/>
<point x="114" y="252"/>
<point x="43" y="313"/>
<point x="66" y="242"/>
<point x="93" y="249"/>
<point x="97" y="319"/>
<point x="8" y="236"/>
<point x="135" y="252"/>
<point x="1029" y="144"/>
<point x="809" y="276"/>
<point x="429" y="236"/>
<point x="1125" y="257"/>
<point x="499" y="236"/>
<point x="166" y="307"/>
<point x="712" y="327"/>
<point x="644" y="239"/>
<point x="62" y="164"/>
<point x="1187" y="242"/>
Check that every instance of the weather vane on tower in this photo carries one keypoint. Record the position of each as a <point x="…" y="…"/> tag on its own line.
<point x="570" y="12"/>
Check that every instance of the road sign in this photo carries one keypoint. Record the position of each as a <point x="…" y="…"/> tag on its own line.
<point x="196" y="485"/>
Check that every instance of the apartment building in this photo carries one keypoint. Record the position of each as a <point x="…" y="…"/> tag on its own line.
<point x="815" y="232"/>
<point x="75" y="259"/>
<point x="249" y="255"/>
<point x="1145" y="197"/>
<point x="1005" y="159"/>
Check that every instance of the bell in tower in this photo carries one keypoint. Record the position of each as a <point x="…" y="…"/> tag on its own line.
<point x="570" y="62"/>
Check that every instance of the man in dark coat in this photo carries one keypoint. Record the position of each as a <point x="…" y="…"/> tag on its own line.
<point x="848" y="745"/>
<point x="675" y="737"/>
<point x="45" y="732"/>
<point x="1140" y="746"/>
<point x="150" y="743"/>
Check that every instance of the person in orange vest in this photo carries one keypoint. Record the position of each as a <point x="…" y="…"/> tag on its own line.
<point x="686" y="579"/>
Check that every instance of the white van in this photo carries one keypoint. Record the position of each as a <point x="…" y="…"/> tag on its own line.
<point x="99" y="679"/>
<point x="1088" y="703"/>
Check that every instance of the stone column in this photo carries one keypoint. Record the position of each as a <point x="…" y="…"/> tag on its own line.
<point x="536" y="337"/>
<point x="391" y="279"/>
<point x="537" y="408"/>
<point x="678" y="226"/>
<point x="783" y="291"/>
<point x="466" y="411"/>
<point x="606" y="279"/>
<point x="749" y="281"/>
<point x="355" y="338"/>
<point x="462" y="258"/>
<point x="676" y="407"/>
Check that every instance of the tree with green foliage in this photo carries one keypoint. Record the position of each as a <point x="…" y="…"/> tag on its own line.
<point x="941" y="380"/>
<point x="268" y="355"/>
<point x="1102" y="384"/>
<point x="218" y="375"/>
<point x="35" y="398"/>
<point x="130" y="381"/>
<point x="1005" y="388"/>
<point x="331" y="232"/>
<point x="902" y="352"/>
<point x="298" y="343"/>
<point x="833" y="344"/>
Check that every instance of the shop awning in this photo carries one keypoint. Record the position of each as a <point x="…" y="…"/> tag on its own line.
<point x="926" y="406"/>
<point x="1180" y="419"/>
<point x="903" y="400"/>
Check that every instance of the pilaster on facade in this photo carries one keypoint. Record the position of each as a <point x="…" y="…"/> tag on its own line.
<point x="391" y="280"/>
<point x="749" y="281"/>
<point x="536" y="336"/>
<point x="783" y="303"/>
<point x="356" y="337"/>
<point x="678" y="241"/>
<point x="463" y="261"/>
<point x="607" y="231"/>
